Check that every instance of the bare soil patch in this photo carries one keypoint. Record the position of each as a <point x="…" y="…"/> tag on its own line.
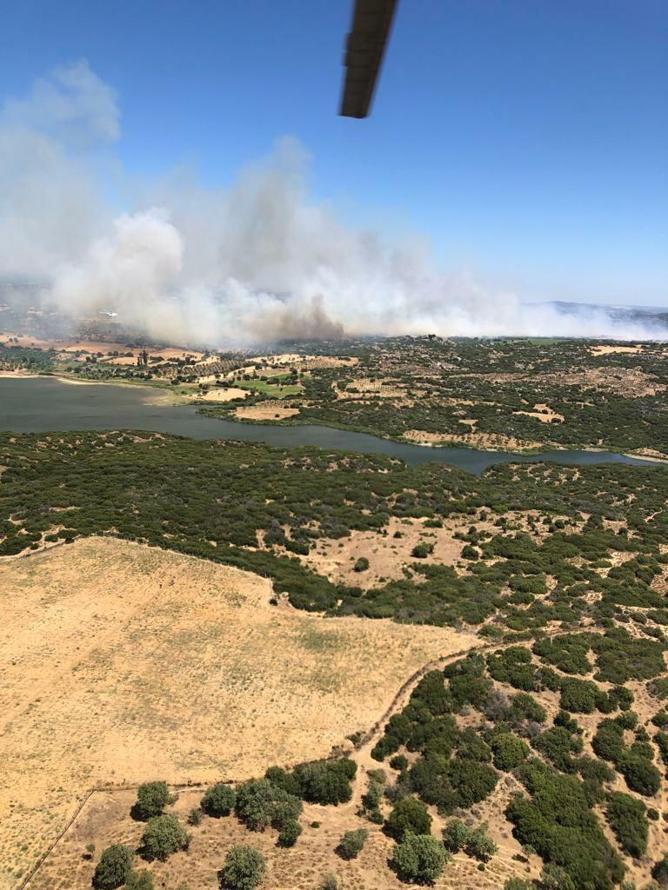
<point x="121" y="663"/>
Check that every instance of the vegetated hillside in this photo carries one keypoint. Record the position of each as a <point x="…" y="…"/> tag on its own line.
<point x="543" y="543"/>
<point x="554" y="735"/>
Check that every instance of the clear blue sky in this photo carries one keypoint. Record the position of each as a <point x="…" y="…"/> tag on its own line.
<point x="527" y="138"/>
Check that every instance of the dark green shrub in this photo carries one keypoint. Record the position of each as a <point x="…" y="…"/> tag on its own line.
<point x="509" y="750"/>
<point x="114" y="867"/>
<point x="409" y="815"/>
<point x="580" y="696"/>
<point x="553" y="877"/>
<point x="559" y="745"/>
<point x="352" y="843"/>
<point x="660" y="871"/>
<point x="608" y="741"/>
<point x="658" y="687"/>
<point x="471" y="781"/>
<point x="218" y="800"/>
<point x="289" y="833"/>
<point x="419" y="859"/>
<point x="361" y="565"/>
<point x="326" y="782"/>
<point x="259" y="804"/>
<point x="567" y="652"/>
<point x="513" y="666"/>
<point x="455" y="835"/>
<point x="525" y="707"/>
<point x="373" y="795"/>
<point x="471" y="746"/>
<point x="399" y="762"/>
<point x="661" y="739"/>
<point x="628" y="820"/>
<point x="140" y="880"/>
<point x="422" y="551"/>
<point x="660" y="719"/>
<point x="152" y="798"/>
<point x="195" y="816"/>
<point x="163" y="836"/>
<point x="479" y="844"/>
<point x="558" y="823"/>
<point x="641" y="775"/>
<point x="244" y="869"/>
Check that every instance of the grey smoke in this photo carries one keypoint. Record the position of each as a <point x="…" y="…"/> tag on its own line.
<point x="259" y="261"/>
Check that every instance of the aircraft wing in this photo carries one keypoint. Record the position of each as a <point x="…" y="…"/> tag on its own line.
<point x="365" y="46"/>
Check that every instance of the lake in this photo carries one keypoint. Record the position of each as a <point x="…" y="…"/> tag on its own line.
<point x="45" y="404"/>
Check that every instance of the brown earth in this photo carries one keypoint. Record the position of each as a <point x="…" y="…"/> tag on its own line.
<point x="120" y="663"/>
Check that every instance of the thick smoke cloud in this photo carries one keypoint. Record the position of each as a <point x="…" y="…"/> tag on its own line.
<point x="258" y="262"/>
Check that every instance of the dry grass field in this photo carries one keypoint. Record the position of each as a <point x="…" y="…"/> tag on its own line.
<point x="120" y="663"/>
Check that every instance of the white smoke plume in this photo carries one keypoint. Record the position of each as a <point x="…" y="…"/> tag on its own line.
<point x="258" y="262"/>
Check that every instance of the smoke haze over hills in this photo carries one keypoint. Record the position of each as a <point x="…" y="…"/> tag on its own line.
<point x="259" y="261"/>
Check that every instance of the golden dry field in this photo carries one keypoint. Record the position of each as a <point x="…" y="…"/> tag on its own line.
<point x="120" y="663"/>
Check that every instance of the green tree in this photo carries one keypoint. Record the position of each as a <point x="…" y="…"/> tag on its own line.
<point x="260" y="803"/>
<point x="218" y="800"/>
<point x="419" y="859"/>
<point x="641" y="775"/>
<point x="628" y="819"/>
<point x="152" y="798"/>
<point x="244" y="869"/>
<point x="553" y="877"/>
<point x="114" y="867"/>
<point x="289" y="833"/>
<point x="408" y="815"/>
<point x="455" y="835"/>
<point x="480" y="845"/>
<point x="163" y="836"/>
<point x="509" y="751"/>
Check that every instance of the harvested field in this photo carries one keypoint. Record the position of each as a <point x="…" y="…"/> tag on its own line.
<point x="608" y="350"/>
<point x="120" y="663"/>
<point x="224" y="394"/>
<point x="266" y="411"/>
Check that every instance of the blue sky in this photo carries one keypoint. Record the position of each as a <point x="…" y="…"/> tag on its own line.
<point x="528" y="139"/>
